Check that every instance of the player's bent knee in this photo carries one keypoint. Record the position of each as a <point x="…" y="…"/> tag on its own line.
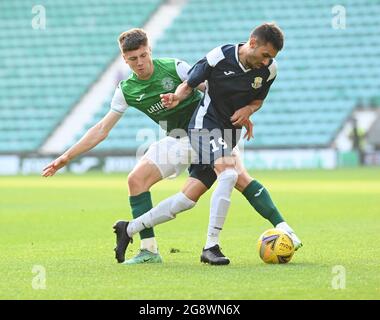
<point x="135" y="183"/>
<point x="143" y="177"/>
<point x="229" y="174"/>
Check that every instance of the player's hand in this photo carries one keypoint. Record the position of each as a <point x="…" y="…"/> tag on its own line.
<point x="241" y="116"/>
<point x="169" y="100"/>
<point x="248" y="125"/>
<point x="54" y="166"/>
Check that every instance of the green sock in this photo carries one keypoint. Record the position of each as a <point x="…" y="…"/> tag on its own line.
<point x="140" y="204"/>
<point x="260" y="199"/>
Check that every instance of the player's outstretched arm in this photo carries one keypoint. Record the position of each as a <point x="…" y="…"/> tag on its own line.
<point x="92" y="138"/>
<point x="171" y="100"/>
<point x="55" y="165"/>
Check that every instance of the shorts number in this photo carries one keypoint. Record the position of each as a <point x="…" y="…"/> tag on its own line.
<point x="215" y="147"/>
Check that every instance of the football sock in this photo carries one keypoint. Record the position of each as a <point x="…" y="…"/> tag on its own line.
<point x="166" y="210"/>
<point x="140" y="204"/>
<point x="220" y="203"/>
<point x="149" y="244"/>
<point x="260" y="199"/>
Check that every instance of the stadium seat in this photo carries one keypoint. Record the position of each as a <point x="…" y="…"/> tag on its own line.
<point x="45" y="72"/>
<point x="317" y="85"/>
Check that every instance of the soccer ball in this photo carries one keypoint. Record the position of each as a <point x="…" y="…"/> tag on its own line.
<point x="275" y="246"/>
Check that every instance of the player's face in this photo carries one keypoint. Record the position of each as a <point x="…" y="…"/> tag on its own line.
<point x="260" y="54"/>
<point x="140" y="61"/>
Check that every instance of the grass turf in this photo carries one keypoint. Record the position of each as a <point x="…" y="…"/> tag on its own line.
<point x="64" y="224"/>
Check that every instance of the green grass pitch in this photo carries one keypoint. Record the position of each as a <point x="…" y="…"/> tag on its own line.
<point x="64" y="225"/>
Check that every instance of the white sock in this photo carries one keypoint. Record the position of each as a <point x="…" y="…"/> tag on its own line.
<point x="284" y="226"/>
<point x="149" y="244"/>
<point x="166" y="210"/>
<point x="220" y="203"/>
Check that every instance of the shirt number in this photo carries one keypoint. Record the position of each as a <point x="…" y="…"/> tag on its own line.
<point x="215" y="147"/>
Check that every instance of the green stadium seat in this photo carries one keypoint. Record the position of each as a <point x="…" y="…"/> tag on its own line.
<point x="45" y="72"/>
<point x="317" y="86"/>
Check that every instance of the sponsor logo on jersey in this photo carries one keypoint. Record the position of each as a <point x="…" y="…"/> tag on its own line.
<point x="228" y="73"/>
<point x="140" y="98"/>
<point x="157" y="107"/>
<point x="168" y="83"/>
<point x="257" y="83"/>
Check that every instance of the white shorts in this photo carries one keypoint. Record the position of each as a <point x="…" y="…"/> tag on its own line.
<point x="171" y="156"/>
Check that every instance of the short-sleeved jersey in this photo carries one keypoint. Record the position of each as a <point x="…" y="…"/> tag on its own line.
<point x="230" y="86"/>
<point x="144" y="95"/>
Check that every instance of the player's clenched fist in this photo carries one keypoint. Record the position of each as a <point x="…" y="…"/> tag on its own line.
<point x="169" y="100"/>
<point x="55" y="165"/>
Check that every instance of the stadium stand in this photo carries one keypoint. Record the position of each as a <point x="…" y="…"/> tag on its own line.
<point x="323" y="73"/>
<point x="45" y="72"/>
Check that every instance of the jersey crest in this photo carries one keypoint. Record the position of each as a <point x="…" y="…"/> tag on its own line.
<point x="167" y="83"/>
<point x="257" y="83"/>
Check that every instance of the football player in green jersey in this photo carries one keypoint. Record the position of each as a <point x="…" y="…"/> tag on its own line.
<point x="167" y="209"/>
<point x="150" y="78"/>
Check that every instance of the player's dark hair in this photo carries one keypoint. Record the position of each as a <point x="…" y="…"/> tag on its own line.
<point x="132" y="39"/>
<point x="269" y="32"/>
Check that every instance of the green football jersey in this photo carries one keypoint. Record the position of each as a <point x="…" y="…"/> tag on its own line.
<point x="144" y="95"/>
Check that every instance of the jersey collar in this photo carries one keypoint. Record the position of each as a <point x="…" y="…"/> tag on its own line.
<point x="237" y="57"/>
